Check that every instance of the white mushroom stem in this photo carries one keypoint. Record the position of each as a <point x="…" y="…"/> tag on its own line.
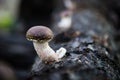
<point x="65" y="23"/>
<point x="46" y="53"/>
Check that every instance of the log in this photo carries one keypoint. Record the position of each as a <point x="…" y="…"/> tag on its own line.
<point x="90" y="54"/>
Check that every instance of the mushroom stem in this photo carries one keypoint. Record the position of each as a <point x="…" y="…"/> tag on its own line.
<point x="65" y="23"/>
<point x="45" y="52"/>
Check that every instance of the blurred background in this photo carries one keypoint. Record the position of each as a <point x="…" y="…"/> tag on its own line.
<point x="16" y="53"/>
<point x="16" y="17"/>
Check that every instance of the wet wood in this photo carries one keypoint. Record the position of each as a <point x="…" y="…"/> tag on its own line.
<point x="90" y="50"/>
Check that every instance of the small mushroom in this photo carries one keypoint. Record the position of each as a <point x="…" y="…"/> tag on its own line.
<point x="41" y="35"/>
<point x="66" y="20"/>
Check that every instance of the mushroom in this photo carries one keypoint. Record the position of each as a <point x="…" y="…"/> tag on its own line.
<point x="41" y="35"/>
<point x="66" y="20"/>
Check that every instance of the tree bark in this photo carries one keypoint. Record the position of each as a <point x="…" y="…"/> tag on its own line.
<point x="90" y="54"/>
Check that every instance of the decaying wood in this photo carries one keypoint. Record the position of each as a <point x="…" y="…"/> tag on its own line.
<point x="89" y="54"/>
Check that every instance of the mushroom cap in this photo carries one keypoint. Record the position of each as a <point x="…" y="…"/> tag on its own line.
<point x="66" y="13"/>
<point x="39" y="33"/>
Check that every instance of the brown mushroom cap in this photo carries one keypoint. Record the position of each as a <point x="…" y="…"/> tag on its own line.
<point x="65" y="13"/>
<point x="39" y="33"/>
